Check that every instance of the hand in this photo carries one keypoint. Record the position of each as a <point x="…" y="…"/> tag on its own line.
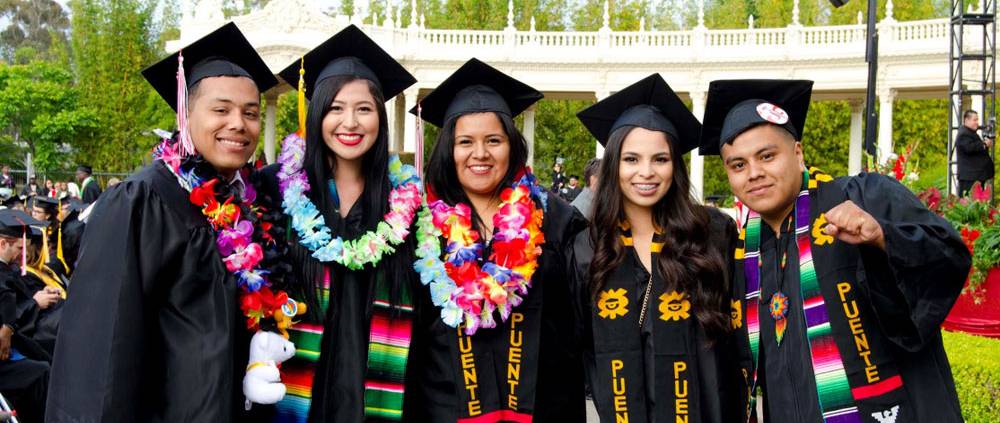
<point x="988" y="142"/>
<point x="849" y="223"/>
<point x="46" y="298"/>
<point x="6" y="333"/>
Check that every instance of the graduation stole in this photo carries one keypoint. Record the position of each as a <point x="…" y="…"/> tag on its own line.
<point x="388" y="349"/>
<point x="621" y="328"/>
<point x="855" y="374"/>
<point x="496" y="369"/>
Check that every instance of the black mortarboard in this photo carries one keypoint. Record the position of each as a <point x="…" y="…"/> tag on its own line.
<point x="47" y="203"/>
<point x="223" y="52"/>
<point x="85" y="169"/>
<point x="733" y="106"/>
<point x="649" y="104"/>
<point x="15" y="222"/>
<point x="476" y="87"/>
<point x="350" y="52"/>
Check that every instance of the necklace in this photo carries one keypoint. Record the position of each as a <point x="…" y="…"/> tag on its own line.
<point x="369" y="248"/>
<point x="465" y="290"/>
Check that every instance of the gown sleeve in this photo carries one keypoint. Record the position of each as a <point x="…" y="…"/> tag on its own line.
<point x="8" y="301"/>
<point x="99" y="363"/>
<point x="916" y="280"/>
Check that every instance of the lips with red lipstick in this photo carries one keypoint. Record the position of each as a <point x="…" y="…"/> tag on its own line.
<point x="350" y="139"/>
<point x="645" y="189"/>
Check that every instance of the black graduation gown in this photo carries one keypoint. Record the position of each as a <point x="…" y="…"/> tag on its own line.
<point x="46" y="325"/>
<point x="72" y="234"/>
<point x="437" y="392"/>
<point x="713" y="390"/>
<point x="902" y="295"/>
<point x="339" y="378"/>
<point x="23" y="382"/>
<point x="149" y="325"/>
<point x="90" y="192"/>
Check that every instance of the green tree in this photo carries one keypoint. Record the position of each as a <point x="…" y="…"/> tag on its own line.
<point x="34" y="24"/>
<point x="40" y="112"/>
<point x="558" y="133"/>
<point x="113" y="40"/>
<point x="623" y="15"/>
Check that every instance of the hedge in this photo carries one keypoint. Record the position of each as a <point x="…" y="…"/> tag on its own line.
<point x="975" y="364"/>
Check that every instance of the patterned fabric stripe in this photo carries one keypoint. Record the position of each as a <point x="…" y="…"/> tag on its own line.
<point x="388" y="349"/>
<point x="877" y="388"/>
<point x="832" y="388"/>
<point x="297" y="373"/>
<point x="292" y="409"/>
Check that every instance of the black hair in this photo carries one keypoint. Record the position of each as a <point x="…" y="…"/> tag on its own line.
<point x="442" y="179"/>
<point x="969" y="113"/>
<point x="593" y="165"/>
<point x="320" y="164"/>
<point x="691" y="266"/>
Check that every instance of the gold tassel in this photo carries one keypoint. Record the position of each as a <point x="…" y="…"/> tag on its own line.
<point x="302" y="98"/>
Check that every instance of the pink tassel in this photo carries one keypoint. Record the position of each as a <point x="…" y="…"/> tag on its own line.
<point x="24" y="251"/>
<point x="186" y="145"/>
<point x="418" y="159"/>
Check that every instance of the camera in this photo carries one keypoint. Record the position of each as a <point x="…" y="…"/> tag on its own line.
<point x="990" y="129"/>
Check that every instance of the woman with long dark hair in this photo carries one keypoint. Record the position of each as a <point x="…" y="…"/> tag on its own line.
<point x="349" y="205"/>
<point x="651" y="274"/>
<point x="497" y="320"/>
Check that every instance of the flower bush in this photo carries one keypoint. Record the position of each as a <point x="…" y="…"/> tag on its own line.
<point x="975" y="219"/>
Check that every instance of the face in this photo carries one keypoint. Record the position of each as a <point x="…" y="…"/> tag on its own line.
<point x="972" y="122"/>
<point x="765" y="166"/>
<point x="351" y="126"/>
<point x="80" y="176"/>
<point x="48" y="183"/>
<point x="39" y="214"/>
<point x="646" y="168"/>
<point x="10" y="248"/>
<point x="482" y="152"/>
<point x="225" y="121"/>
<point x="573" y="182"/>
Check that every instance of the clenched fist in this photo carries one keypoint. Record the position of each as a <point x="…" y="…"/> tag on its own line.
<point x="849" y="223"/>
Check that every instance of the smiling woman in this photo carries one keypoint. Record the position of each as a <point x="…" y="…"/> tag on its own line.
<point x="497" y="304"/>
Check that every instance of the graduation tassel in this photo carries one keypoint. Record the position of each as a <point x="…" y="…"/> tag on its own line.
<point x="418" y="159"/>
<point x="301" y="97"/>
<point x="184" y="135"/>
<point x="24" y="251"/>
<point x="59" y="247"/>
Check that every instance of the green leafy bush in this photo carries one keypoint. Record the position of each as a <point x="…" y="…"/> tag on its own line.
<point x="975" y="364"/>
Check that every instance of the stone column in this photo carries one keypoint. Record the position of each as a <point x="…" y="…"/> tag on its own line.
<point x="529" y="134"/>
<point x="410" y="125"/>
<point x="697" y="170"/>
<point x="857" y="137"/>
<point x="885" y="97"/>
<point x="398" y="128"/>
<point x="601" y="95"/>
<point x="270" y="120"/>
<point x="390" y="124"/>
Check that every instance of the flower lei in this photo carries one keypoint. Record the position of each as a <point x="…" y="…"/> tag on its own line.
<point x="240" y="233"/>
<point x="464" y="289"/>
<point x="369" y="248"/>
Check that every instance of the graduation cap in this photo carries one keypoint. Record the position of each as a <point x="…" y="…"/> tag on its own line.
<point x="16" y="223"/>
<point x="223" y="52"/>
<point x="649" y="104"/>
<point x="350" y="53"/>
<point x="474" y="88"/>
<point x="85" y="169"/>
<point x="734" y="106"/>
<point x="48" y="203"/>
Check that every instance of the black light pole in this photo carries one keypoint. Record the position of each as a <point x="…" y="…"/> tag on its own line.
<point x="871" y="56"/>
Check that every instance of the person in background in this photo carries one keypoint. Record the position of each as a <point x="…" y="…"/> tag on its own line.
<point x="583" y="201"/>
<point x="974" y="162"/>
<point x="572" y="189"/>
<point x="558" y="176"/>
<point x="6" y="181"/>
<point x="50" y="189"/>
<point x="112" y="181"/>
<point x="89" y="186"/>
<point x="62" y="190"/>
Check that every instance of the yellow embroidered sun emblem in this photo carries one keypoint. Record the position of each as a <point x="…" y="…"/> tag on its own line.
<point x="817" y="231"/>
<point x="612" y="303"/>
<point x="674" y="306"/>
<point x="736" y="314"/>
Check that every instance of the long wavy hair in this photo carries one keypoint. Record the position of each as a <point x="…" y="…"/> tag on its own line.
<point x="442" y="178"/>
<point x="687" y="263"/>
<point x="320" y="166"/>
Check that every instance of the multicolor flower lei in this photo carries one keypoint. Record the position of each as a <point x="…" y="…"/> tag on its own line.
<point x="464" y="289"/>
<point x="240" y="233"/>
<point x="369" y="248"/>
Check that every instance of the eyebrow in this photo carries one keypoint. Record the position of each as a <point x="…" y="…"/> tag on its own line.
<point x="226" y="100"/>
<point x="760" y="150"/>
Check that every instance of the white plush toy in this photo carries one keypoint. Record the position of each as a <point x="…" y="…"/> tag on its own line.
<point x="262" y="382"/>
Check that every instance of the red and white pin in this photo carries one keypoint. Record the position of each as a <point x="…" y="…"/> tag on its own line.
<point x="772" y="113"/>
